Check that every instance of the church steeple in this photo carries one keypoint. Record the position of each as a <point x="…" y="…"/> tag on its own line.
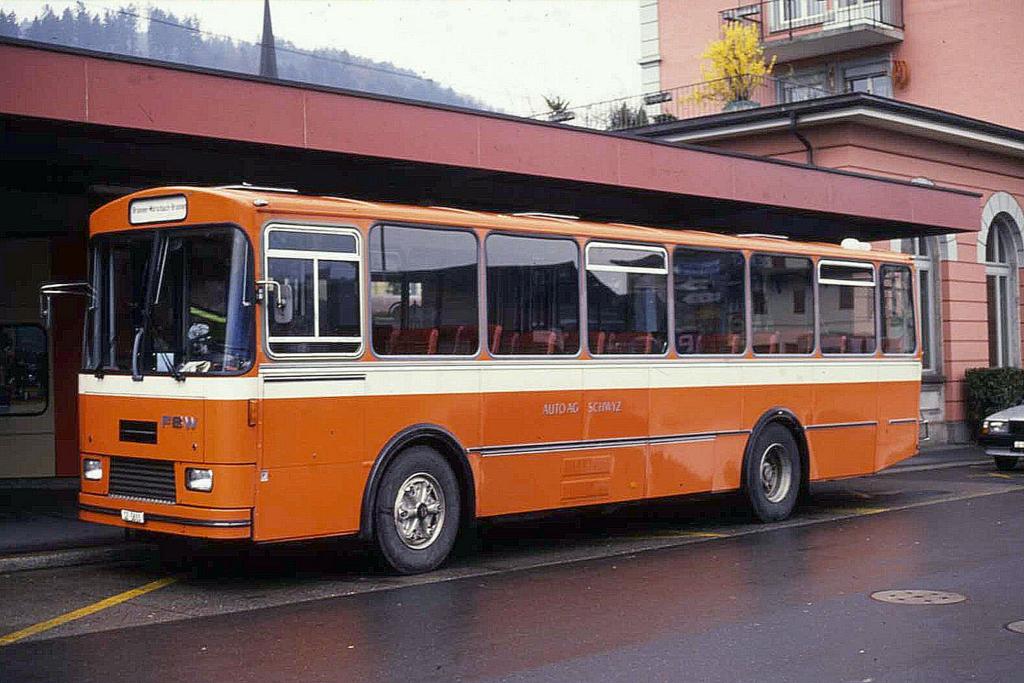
<point x="268" y="57"/>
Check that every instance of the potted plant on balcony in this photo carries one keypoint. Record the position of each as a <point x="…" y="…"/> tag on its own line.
<point x="734" y="68"/>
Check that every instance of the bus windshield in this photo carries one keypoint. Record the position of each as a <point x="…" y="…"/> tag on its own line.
<point x="175" y="302"/>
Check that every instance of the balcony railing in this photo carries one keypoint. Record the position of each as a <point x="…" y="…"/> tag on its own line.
<point x="686" y="102"/>
<point x="787" y="19"/>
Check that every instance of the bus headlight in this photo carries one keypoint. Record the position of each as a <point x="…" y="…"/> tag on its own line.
<point x="995" y="427"/>
<point x="197" y="479"/>
<point x="92" y="469"/>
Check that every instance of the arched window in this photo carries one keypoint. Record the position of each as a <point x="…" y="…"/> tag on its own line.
<point x="925" y="251"/>
<point x="1002" y="293"/>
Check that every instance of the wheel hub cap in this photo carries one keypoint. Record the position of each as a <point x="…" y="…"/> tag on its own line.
<point x="419" y="511"/>
<point x="776" y="472"/>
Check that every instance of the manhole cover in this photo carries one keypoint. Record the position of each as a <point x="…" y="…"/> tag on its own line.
<point x="1016" y="626"/>
<point x="918" y="597"/>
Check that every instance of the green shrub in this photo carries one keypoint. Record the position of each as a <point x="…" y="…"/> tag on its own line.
<point x="989" y="390"/>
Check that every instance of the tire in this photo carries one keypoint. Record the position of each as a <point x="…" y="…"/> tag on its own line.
<point x="418" y="511"/>
<point x="772" y="492"/>
<point x="1005" y="463"/>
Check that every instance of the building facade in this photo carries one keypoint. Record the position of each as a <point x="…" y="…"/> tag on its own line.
<point x="928" y="91"/>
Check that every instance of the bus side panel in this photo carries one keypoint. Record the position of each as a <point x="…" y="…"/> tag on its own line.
<point x="729" y="451"/>
<point x="457" y="413"/>
<point x="898" y="407"/>
<point x="610" y="412"/>
<point x="313" y="456"/>
<point x="513" y="415"/>
<point x="839" y="449"/>
<point x="690" y="467"/>
<point x="797" y="398"/>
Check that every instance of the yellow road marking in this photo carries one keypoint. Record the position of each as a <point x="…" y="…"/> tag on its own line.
<point x="86" y="611"/>
<point x="865" y="511"/>
<point x="678" y="533"/>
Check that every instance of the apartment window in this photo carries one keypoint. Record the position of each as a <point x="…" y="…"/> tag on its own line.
<point x="792" y="13"/>
<point x="533" y="298"/>
<point x="423" y="291"/>
<point x="870" y="78"/>
<point x="1001" y="293"/>
<point x="780" y="324"/>
<point x="627" y="293"/>
<point x="317" y="276"/>
<point x="846" y="296"/>
<point x="24" y="370"/>
<point x="710" y="305"/>
<point x="897" y="315"/>
<point x="804" y="86"/>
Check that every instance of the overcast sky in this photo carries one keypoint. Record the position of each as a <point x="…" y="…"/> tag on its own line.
<point x="507" y="53"/>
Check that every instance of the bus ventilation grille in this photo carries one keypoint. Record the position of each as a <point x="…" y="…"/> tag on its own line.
<point x="142" y="479"/>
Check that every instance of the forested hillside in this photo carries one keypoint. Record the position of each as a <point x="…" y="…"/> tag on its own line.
<point x="159" y="34"/>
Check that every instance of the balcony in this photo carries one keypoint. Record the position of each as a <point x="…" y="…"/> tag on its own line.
<point x="686" y="102"/>
<point x="800" y="29"/>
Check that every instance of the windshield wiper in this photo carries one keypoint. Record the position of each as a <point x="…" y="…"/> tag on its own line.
<point x="177" y="373"/>
<point x="156" y="272"/>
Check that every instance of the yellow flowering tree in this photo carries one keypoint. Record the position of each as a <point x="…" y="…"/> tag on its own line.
<point x="734" y="65"/>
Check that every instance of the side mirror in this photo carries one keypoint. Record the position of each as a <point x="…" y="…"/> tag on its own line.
<point x="284" y="308"/>
<point x="284" y="311"/>
<point x="52" y="289"/>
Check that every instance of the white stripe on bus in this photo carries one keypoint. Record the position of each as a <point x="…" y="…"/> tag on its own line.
<point x="384" y="379"/>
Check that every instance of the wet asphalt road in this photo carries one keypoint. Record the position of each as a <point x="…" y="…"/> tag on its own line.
<point x="789" y="603"/>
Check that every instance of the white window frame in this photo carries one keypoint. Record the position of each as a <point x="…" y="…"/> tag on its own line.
<point x="649" y="248"/>
<point x="815" y="318"/>
<point x="846" y="283"/>
<point x="846" y="264"/>
<point x="915" y="297"/>
<point x="1007" y="323"/>
<point x="925" y="251"/>
<point x="628" y="269"/>
<point x="315" y="257"/>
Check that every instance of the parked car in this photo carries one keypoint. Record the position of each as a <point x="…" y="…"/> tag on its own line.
<point x="1002" y="435"/>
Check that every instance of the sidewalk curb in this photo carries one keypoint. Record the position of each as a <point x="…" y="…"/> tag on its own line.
<point x="70" y="557"/>
<point x="900" y="469"/>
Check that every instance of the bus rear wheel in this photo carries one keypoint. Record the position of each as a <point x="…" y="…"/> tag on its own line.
<point x="418" y="511"/>
<point x="771" y="473"/>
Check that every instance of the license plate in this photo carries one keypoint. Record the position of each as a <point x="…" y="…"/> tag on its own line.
<point x="133" y="516"/>
<point x="1018" y="444"/>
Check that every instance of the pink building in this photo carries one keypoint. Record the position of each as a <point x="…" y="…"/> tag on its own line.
<point x="930" y="91"/>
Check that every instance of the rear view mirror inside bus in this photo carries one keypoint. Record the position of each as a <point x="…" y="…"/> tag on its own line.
<point x="284" y="306"/>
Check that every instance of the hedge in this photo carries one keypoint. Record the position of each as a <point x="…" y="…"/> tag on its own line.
<point x="989" y="390"/>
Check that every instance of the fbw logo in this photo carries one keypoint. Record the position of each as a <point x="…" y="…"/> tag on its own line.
<point x="179" y="421"/>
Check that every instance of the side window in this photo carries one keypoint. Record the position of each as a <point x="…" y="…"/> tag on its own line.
<point x="898" y="330"/>
<point x="626" y="299"/>
<point x="781" y="291"/>
<point x="24" y="370"/>
<point x="533" y="298"/>
<point x="710" y="301"/>
<point x="316" y="309"/>
<point x="423" y="291"/>
<point x="846" y="292"/>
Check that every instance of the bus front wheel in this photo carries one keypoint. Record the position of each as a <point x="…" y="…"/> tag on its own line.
<point x="418" y="511"/>
<point x="771" y="473"/>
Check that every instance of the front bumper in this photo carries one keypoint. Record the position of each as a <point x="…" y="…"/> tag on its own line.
<point x="183" y="520"/>
<point x="1004" y="445"/>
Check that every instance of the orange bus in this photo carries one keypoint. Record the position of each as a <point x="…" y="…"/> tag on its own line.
<point x="268" y="366"/>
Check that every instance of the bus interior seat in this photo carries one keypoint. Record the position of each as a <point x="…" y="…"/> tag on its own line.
<point x="413" y="341"/>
